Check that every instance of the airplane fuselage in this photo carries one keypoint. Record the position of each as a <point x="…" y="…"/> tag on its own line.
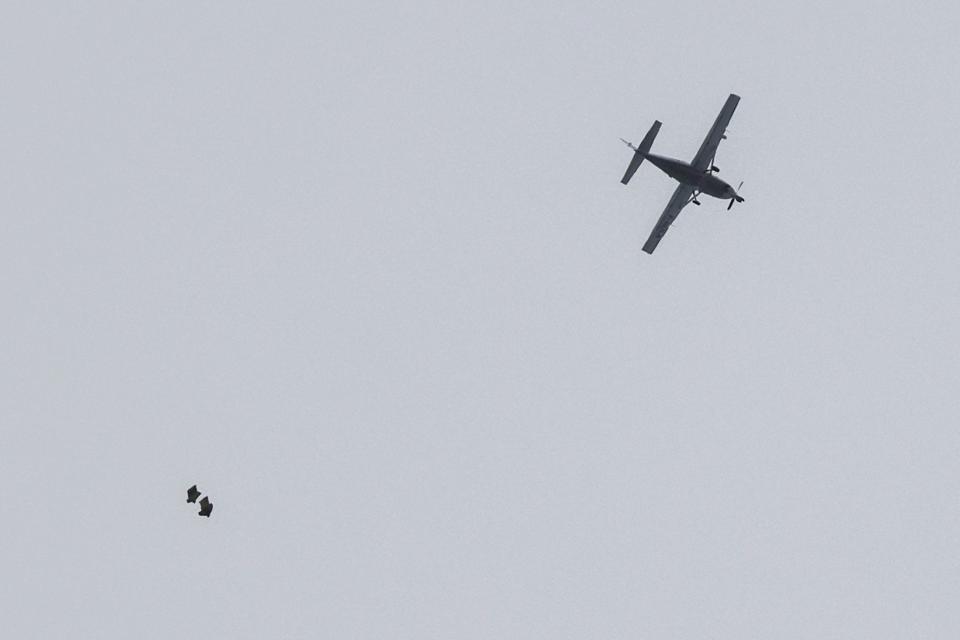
<point x="702" y="181"/>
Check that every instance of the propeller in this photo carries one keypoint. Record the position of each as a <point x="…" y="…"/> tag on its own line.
<point x="736" y="198"/>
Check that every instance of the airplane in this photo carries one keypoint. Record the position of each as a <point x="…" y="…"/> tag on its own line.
<point x="192" y="494"/>
<point x="695" y="177"/>
<point x="206" y="507"/>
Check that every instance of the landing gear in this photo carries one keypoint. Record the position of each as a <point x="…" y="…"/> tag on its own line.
<point x="696" y="202"/>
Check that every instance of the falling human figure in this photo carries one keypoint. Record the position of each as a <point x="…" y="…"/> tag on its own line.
<point x="192" y="494"/>
<point x="205" y="507"/>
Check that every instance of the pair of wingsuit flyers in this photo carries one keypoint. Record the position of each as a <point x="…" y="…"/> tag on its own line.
<point x="206" y="507"/>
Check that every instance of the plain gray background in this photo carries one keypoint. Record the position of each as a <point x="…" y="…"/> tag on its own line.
<point x="367" y="275"/>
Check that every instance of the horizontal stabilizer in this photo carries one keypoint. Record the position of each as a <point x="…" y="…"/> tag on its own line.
<point x="639" y="153"/>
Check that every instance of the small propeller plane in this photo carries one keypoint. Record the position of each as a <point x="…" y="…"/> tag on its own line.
<point x="695" y="177"/>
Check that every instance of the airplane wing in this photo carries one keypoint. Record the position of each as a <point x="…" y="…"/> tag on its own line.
<point x="678" y="201"/>
<point x="708" y="149"/>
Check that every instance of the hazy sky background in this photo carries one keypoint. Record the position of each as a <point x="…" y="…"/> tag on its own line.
<point x="365" y="272"/>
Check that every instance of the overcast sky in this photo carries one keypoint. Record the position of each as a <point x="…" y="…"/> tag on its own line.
<point x="365" y="273"/>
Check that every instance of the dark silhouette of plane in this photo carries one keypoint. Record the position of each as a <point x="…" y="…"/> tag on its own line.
<point x="205" y="507"/>
<point x="192" y="494"/>
<point x="695" y="177"/>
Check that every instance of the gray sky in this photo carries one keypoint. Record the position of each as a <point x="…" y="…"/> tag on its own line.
<point x="367" y="275"/>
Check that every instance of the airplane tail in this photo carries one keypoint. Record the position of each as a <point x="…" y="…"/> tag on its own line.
<point x="639" y="153"/>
